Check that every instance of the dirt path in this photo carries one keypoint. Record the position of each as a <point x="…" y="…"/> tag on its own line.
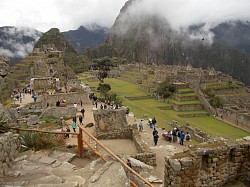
<point x="162" y="149"/>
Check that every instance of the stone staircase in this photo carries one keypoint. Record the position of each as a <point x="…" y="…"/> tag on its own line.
<point x="53" y="168"/>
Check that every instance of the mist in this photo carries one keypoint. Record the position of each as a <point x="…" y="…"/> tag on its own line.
<point x="181" y="14"/>
<point x="18" y="41"/>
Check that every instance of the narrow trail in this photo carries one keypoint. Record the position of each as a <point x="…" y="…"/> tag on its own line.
<point x="163" y="148"/>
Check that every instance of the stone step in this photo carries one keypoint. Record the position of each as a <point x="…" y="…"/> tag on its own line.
<point x="52" y="168"/>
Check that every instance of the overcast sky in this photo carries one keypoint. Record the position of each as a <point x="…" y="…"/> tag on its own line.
<point x="70" y="14"/>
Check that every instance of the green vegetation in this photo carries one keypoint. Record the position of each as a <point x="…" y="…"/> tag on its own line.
<point x="192" y="102"/>
<point x="216" y="102"/>
<point x="76" y="62"/>
<point x="208" y="124"/>
<point x="166" y="89"/>
<point x="38" y="141"/>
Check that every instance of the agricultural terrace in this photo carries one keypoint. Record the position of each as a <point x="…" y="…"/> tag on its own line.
<point x="208" y="124"/>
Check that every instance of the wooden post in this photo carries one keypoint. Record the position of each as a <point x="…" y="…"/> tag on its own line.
<point x="116" y="157"/>
<point x="80" y="144"/>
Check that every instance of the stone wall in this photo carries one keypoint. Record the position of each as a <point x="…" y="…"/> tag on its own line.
<point x="234" y="116"/>
<point x="111" y="121"/>
<point x="209" y="166"/>
<point x="112" y="124"/>
<point x="58" y="112"/>
<point x="9" y="147"/>
<point x="195" y="133"/>
<point x="185" y="98"/>
<point x="144" y="155"/>
<point x="72" y="97"/>
<point x="187" y="107"/>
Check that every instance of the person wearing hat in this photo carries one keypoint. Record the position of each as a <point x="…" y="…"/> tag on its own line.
<point x="141" y="125"/>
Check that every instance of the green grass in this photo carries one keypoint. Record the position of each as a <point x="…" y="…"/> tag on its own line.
<point x="192" y="102"/>
<point x="185" y="94"/>
<point x="208" y="124"/>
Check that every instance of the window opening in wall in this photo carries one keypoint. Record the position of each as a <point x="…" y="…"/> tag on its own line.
<point x="205" y="161"/>
<point x="231" y="155"/>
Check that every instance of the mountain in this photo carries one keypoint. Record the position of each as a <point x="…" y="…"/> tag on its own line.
<point x="148" y="38"/>
<point x="86" y="37"/>
<point x="17" y="42"/>
<point x="71" y="57"/>
<point x="235" y="34"/>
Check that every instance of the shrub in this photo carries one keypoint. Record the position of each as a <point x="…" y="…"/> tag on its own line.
<point x="38" y="141"/>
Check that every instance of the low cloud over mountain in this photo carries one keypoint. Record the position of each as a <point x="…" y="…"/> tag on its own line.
<point x="17" y="42"/>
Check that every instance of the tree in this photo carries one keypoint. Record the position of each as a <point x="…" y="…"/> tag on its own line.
<point x="166" y="89"/>
<point x="103" y="89"/>
<point x="216" y="102"/>
<point x="103" y="65"/>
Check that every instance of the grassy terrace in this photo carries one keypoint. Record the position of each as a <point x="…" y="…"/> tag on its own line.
<point x="193" y="102"/>
<point x="185" y="94"/>
<point x="208" y="124"/>
<point x="184" y="91"/>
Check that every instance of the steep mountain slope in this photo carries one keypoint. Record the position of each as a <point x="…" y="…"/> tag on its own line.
<point x="84" y="37"/>
<point x="149" y="38"/>
<point x="236" y="34"/>
<point x="17" y="42"/>
<point x="71" y="57"/>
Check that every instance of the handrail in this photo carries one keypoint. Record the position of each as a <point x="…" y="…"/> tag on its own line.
<point x="80" y="145"/>
<point x="41" y="131"/>
<point x="116" y="157"/>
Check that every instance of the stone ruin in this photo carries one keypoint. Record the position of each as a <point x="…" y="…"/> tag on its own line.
<point x="44" y="83"/>
<point x="4" y="69"/>
<point x="209" y="165"/>
<point x="112" y="124"/>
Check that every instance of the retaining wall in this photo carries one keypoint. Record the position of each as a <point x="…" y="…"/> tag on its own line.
<point x="234" y="116"/>
<point x="210" y="167"/>
<point x="9" y="147"/>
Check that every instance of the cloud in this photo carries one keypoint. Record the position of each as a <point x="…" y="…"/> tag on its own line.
<point x="182" y="13"/>
<point x="63" y="14"/>
<point x="20" y="41"/>
<point x="179" y="15"/>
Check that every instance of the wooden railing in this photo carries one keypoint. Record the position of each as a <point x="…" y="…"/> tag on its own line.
<point x="81" y="130"/>
<point x="80" y="142"/>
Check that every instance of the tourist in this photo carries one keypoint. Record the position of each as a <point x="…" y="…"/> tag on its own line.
<point x="82" y="111"/>
<point x="80" y="120"/>
<point x="74" y="126"/>
<point x="129" y="163"/>
<point x="170" y="136"/>
<point x="155" y="136"/>
<point x="74" y="119"/>
<point x="75" y="105"/>
<point x="141" y="125"/>
<point x="150" y="123"/>
<point x="58" y="103"/>
<point x="62" y="130"/>
<point x="67" y="130"/>
<point x="101" y="106"/>
<point x="96" y="102"/>
<point x="182" y="137"/>
<point x="174" y="135"/>
<point x="188" y="136"/>
<point x="81" y="103"/>
<point x="178" y="134"/>
<point x="154" y="122"/>
<point x="155" y="132"/>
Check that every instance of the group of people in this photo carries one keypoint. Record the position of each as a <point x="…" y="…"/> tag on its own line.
<point x="176" y="135"/>
<point x="67" y="130"/>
